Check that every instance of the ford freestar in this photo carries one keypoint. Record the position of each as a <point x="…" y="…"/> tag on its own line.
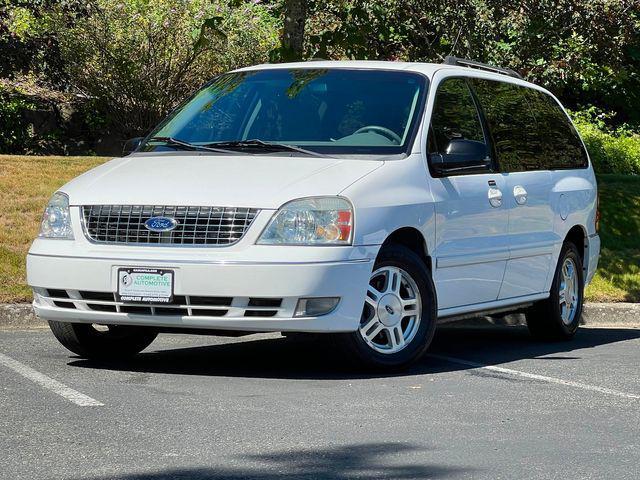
<point x="366" y="200"/>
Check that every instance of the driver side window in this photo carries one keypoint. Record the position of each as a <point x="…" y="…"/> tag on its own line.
<point x="456" y="139"/>
<point x="454" y="115"/>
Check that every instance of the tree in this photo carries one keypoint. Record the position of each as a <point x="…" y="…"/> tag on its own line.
<point x="28" y="40"/>
<point x="585" y="51"/>
<point x="135" y="60"/>
<point x="295" y="17"/>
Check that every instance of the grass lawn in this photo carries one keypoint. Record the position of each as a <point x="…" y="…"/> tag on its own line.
<point x="618" y="275"/>
<point x="26" y="183"/>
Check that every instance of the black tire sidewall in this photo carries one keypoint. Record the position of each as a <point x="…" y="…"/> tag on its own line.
<point x="569" y="250"/>
<point x="407" y="260"/>
<point x="119" y="342"/>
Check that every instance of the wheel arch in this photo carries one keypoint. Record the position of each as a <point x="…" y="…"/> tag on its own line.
<point x="414" y="240"/>
<point x="578" y="236"/>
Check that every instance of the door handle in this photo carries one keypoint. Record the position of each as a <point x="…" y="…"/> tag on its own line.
<point x="495" y="197"/>
<point x="520" y="194"/>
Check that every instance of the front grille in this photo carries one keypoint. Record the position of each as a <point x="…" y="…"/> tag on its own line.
<point x="124" y="224"/>
<point x="182" y="305"/>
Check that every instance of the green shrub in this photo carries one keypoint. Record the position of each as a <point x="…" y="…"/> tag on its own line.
<point x="18" y="133"/>
<point x="30" y="122"/>
<point x="611" y="151"/>
<point x="136" y="59"/>
<point x="17" y="136"/>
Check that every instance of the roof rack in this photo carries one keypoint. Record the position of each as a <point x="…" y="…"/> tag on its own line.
<point x="463" y="62"/>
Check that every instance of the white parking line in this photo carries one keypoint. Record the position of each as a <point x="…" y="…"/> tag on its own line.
<point x="49" y="383"/>
<point x="533" y="376"/>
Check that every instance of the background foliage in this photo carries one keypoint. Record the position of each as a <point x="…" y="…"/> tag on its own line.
<point x="586" y="51"/>
<point x="612" y="150"/>
<point x="138" y="59"/>
<point x="131" y="61"/>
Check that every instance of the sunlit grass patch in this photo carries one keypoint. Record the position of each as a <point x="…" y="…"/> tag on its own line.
<point x="26" y="183"/>
<point x="618" y="275"/>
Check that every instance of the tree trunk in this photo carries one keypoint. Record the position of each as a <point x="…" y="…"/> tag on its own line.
<point x="295" y="16"/>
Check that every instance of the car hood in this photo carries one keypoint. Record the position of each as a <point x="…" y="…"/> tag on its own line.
<point x="219" y="180"/>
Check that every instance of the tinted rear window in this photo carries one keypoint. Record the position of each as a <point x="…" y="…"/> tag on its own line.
<point x="562" y="146"/>
<point x="513" y="127"/>
<point x="529" y="128"/>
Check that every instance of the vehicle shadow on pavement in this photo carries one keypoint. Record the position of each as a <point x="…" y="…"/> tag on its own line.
<point x="371" y="460"/>
<point x="495" y="345"/>
<point x="315" y="358"/>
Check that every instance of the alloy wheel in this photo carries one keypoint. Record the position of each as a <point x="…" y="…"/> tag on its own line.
<point x="568" y="291"/>
<point x="392" y="311"/>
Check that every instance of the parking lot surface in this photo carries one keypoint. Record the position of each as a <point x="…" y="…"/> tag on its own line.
<point x="488" y="403"/>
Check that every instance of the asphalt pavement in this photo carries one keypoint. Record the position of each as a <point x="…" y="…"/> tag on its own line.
<point x="488" y="403"/>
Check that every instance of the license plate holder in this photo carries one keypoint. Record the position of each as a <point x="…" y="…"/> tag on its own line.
<point x="145" y="285"/>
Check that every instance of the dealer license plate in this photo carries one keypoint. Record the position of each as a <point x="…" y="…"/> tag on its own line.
<point x="145" y="285"/>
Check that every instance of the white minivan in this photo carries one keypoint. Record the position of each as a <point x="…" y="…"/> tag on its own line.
<point x="366" y="200"/>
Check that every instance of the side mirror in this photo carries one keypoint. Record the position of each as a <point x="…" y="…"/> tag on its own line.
<point x="462" y="154"/>
<point x="131" y="145"/>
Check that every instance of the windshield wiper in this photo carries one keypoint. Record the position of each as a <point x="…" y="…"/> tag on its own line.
<point x="174" y="142"/>
<point x="260" y="144"/>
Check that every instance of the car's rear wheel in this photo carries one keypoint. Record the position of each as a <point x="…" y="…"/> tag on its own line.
<point x="103" y="341"/>
<point x="399" y="316"/>
<point x="558" y="317"/>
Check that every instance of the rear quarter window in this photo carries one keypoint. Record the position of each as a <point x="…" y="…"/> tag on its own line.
<point x="529" y="129"/>
<point x="563" y="148"/>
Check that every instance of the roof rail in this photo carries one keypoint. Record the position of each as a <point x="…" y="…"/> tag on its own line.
<point x="463" y="62"/>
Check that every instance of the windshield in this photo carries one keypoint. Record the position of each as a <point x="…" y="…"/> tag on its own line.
<point x="322" y="110"/>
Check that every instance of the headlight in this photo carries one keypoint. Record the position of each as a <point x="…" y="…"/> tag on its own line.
<point x="311" y="221"/>
<point x="56" y="221"/>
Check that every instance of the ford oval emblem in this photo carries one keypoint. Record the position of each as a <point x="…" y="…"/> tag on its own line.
<point x="160" y="224"/>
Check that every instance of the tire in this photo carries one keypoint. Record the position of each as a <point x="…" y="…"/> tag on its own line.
<point x="107" y="343"/>
<point x="553" y="318"/>
<point x="386" y="349"/>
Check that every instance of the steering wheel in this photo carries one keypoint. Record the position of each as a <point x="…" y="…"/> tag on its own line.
<point x="385" y="132"/>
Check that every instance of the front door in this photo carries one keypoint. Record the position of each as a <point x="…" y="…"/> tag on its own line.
<point x="471" y="248"/>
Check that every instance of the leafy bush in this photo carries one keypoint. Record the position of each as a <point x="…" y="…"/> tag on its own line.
<point x="28" y="40"/>
<point x="20" y="134"/>
<point x="136" y="59"/>
<point x="611" y="151"/>
<point x="15" y="134"/>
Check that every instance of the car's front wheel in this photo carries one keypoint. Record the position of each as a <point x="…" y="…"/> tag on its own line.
<point x="399" y="315"/>
<point x="107" y="342"/>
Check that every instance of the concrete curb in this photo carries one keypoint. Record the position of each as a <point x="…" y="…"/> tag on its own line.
<point x="19" y="316"/>
<point x="623" y="315"/>
<point x="612" y="314"/>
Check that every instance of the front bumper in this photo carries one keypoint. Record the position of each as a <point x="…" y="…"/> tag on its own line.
<point x="86" y="275"/>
